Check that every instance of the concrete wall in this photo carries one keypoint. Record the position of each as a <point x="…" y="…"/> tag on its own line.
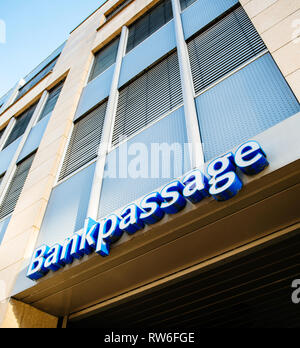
<point x="278" y="23"/>
<point x="22" y="316"/>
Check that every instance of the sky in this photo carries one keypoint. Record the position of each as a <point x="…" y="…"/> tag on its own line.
<point x="30" y="30"/>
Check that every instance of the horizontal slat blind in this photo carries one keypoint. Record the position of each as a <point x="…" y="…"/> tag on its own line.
<point x="149" y="23"/>
<point x="105" y="58"/>
<point x="186" y="3"/>
<point x="84" y="142"/>
<point x="223" y="47"/>
<point x="148" y="97"/>
<point x="52" y="100"/>
<point x="20" y="125"/>
<point x="37" y="78"/>
<point x="15" y="188"/>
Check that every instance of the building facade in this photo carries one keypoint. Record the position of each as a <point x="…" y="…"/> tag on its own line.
<point x="105" y="217"/>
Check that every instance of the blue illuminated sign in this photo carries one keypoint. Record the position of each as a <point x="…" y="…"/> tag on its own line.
<point x="222" y="183"/>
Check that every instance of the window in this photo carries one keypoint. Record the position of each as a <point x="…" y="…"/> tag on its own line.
<point x="1" y="133"/>
<point x="37" y="78"/>
<point x="148" y="97"/>
<point x="149" y="23"/>
<point x="117" y="9"/>
<point x="84" y="142"/>
<point x="105" y="58"/>
<point x="186" y="3"/>
<point x="51" y="100"/>
<point x="1" y="178"/>
<point x="15" y="188"/>
<point x="20" y="125"/>
<point x="222" y="48"/>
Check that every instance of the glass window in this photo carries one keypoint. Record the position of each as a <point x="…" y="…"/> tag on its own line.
<point x="186" y="3"/>
<point x="36" y="79"/>
<point x="51" y="100"/>
<point x="1" y="133"/>
<point x="105" y="58"/>
<point x="223" y="47"/>
<point x="117" y="9"/>
<point x="149" y="23"/>
<point x="148" y="97"/>
<point x="15" y="188"/>
<point x="20" y="125"/>
<point x="84" y="142"/>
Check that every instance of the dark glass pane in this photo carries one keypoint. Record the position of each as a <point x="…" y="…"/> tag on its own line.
<point x="36" y="79"/>
<point x="149" y="23"/>
<point x="118" y="9"/>
<point x="20" y="125"/>
<point x="52" y="100"/>
<point x="105" y="58"/>
<point x="186" y="3"/>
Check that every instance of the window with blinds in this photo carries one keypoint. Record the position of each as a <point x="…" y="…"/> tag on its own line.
<point x="20" y="125"/>
<point x="186" y="3"/>
<point x="1" y="133"/>
<point x="37" y="78"/>
<point x="105" y="58"/>
<point x="148" y="97"/>
<point x="51" y="100"/>
<point x="84" y="142"/>
<point x="222" y="48"/>
<point x="149" y="23"/>
<point x="15" y="188"/>
<point x="117" y="9"/>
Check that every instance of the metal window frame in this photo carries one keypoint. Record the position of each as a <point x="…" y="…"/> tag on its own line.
<point x="94" y="62"/>
<point x="141" y="17"/>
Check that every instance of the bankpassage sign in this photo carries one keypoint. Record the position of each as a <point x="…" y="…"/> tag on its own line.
<point x="221" y="182"/>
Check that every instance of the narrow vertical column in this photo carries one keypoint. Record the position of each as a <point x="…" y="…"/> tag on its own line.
<point x="197" y="156"/>
<point x="13" y="164"/>
<point x="107" y="130"/>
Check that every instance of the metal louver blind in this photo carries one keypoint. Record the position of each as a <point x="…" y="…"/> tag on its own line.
<point x="52" y="100"/>
<point x="149" y="23"/>
<point x="15" y="188"/>
<point x="37" y="78"/>
<point x="105" y="58"/>
<point x="186" y="3"/>
<point x="148" y="97"/>
<point x="222" y="48"/>
<point x="20" y="125"/>
<point x="84" y="142"/>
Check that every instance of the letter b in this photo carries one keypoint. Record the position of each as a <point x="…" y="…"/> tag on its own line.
<point x="36" y="269"/>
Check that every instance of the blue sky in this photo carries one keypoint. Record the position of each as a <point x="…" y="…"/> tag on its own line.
<point x="35" y="28"/>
